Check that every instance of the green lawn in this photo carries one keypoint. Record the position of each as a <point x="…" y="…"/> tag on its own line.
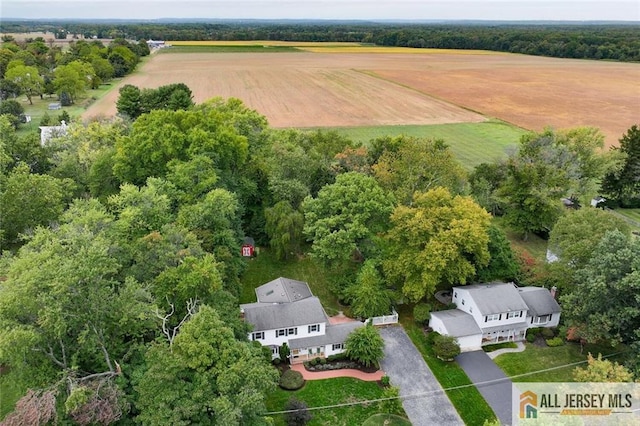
<point x="228" y="49"/>
<point x="9" y="395"/>
<point x="41" y="106"/>
<point x="265" y="267"/>
<point x="471" y="406"/>
<point x="534" y="245"/>
<point x="472" y="143"/>
<point x="632" y="216"/>
<point x="386" y="420"/>
<point x="317" y="393"/>
<point x="536" y="358"/>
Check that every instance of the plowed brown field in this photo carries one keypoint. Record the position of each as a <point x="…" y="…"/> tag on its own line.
<point x="307" y="89"/>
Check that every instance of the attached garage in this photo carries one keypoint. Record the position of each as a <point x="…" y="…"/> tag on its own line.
<point x="458" y="324"/>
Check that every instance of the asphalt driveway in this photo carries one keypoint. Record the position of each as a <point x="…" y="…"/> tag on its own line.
<point x="481" y="369"/>
<point x="407" y="369"/>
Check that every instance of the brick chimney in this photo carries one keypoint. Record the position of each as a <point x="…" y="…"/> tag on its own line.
<point x="553" y="291"/>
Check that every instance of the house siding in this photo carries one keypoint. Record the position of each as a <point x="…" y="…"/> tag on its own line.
<point x="271" y="339"/>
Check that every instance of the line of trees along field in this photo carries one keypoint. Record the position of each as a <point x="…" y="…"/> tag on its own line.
<point x="37" y="68"/>
<point x="119" y="289"/>
<point x="620" y="42"/>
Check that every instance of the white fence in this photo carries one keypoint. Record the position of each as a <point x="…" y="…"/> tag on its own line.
<point x="385" y="319"/>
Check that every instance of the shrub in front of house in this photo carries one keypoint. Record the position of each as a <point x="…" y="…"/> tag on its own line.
<point x="385" y="380"/>
<point x="547" y="333"/>
<point x="291" y="380"/>
<point x="531" y="337"/>
<point x="446" y="348"/>
<point x="422" y="313"/>
<point x="556" y="341"/>
<point x="337" y="357"/>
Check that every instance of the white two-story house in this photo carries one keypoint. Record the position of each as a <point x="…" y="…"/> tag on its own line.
<point x="494" y="313"/>
<point x="287" y="312"/>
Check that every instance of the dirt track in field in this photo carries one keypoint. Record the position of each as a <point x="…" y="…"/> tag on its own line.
<point x="361" y="89"/>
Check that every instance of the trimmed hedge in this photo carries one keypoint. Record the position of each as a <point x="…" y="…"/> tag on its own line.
<point x="556" y="341"/>
<point x="291" y="380"/>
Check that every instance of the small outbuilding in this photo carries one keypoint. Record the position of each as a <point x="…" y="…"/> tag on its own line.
<point x="248" y="247"/>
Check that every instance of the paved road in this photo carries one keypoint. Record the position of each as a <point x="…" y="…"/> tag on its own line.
<point x="406" y="368"/>
<point x="480" y="368"/>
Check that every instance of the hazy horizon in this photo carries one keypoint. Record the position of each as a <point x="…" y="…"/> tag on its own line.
<point x="400" y="10"/>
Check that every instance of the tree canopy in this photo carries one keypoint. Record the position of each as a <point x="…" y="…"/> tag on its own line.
<point x="346" y="217"/>
<point x="440" y="239"/>
<point x="605" y="301"/>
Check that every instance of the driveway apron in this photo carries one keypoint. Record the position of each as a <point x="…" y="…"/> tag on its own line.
<point x="426" y="404"/>
<point x="481" y="369"/>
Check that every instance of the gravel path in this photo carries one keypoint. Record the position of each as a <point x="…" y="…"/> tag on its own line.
<point x="426" y="404"/>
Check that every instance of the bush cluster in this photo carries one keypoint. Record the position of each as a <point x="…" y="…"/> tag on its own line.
<point x="291" y="380"/>
<point x="556" y="341"/>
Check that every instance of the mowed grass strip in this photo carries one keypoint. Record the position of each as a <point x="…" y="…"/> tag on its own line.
<point x="265" y="267"/>
<point x="321" y="393"/>
<point x="393" y="49"/>
<point x="255" y="48"/>
<point x="471" y="143"/>
<point x="536" y="358"/>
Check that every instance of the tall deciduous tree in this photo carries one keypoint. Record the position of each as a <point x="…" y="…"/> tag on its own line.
<point x="129" y="102"/>
<point x="74" y="79"/>
<point x="623" y="184"/>
<point x="27" y="78"/>
<point x="440" y="239"/>
<point x="207" y="377"/>
<point x="576" y="235"/>
<point x="284" y="227"/>
<point x="502" y="265"/>
<point x="418" y="165"/>
<point x="64" y="312"/>
<point x="547" y="167"/>
<point x="605" y="302"/>
<point x="29" y="200"/>
<point x="345" y="217"/>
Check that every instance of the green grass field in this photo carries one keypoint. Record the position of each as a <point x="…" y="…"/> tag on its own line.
<point x="41" y="106"/>
<point x="266" y="267"/>
<point x="228" y="49"/>
<point x="317" y="393"/>
<point x="386" y="420"/>
<point x="472" y="143"/>
<point x="536" y="358"/>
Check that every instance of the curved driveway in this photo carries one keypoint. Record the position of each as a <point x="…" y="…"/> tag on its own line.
<point x="407" y="369"/>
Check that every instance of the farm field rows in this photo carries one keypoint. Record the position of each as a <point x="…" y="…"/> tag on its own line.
<point x="331" y="85"/>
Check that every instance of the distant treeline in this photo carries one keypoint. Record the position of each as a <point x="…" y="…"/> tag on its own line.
<point x="620" y="42"/>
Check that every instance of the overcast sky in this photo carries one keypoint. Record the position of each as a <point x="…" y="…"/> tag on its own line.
<point x="574" y="10"/>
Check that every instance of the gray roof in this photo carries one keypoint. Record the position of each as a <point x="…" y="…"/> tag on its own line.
<point x="337" y="333"/>
<point x="271" y="316"/>
<point x="496" y="298"/>
<point x="539" y="300"/>
<point x="458" y="323"/>
<point x="283" y="290"/>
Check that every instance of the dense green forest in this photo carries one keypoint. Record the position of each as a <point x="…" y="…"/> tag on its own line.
<point x="620" y="42"/>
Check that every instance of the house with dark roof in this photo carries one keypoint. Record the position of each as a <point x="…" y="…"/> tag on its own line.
<point x="496" y="312"/>
<point x="287" y="312"/>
